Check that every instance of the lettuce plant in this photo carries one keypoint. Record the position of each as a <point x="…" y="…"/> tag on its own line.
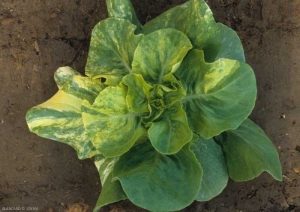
<point x="163" y="109"/>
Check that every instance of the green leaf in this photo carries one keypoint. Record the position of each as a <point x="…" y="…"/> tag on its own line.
<point x="138" y="93"/>
<point x="111" y="50"/>
<point x="223" y="43"/>
<point x="195" y="19"/>
<point x="154" y="58"/>
<point x="112" y="128"/>
<point x="215" y="176"/>
<point x="159" y="182"/>
<point x="249" y="152"/>
<point x="220" y="95"/>
<point x="111" y="190"/>
<point x="123" y="9"/>
<point x="60" y="119"/>
<point x="170" y="132"/>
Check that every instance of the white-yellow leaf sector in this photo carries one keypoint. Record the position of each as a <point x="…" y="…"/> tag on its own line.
<point x="59" y="118"/>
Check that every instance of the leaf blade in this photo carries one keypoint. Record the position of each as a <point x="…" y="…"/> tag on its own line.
<point x="64" y="75"/>
<point x="170" y="132"/>
<point x="215" y="175"/>
<point x="224" y="42"/>
<point x="158" y="182"/>
<point x="123" y="9"/>
<point x="220" y="95"/>
<point x="249" y="152"/>
<point x="59" y="118"/>
<point x="111" y="190"/>
<point x="195" y="19"/>
<point x="111" y="51"/>
<point x="111" y="127"/>
<point x="138" y="93"/>
<point x="154" y="58"/>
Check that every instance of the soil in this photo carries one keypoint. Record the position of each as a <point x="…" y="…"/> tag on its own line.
<point x="37" y="37"/>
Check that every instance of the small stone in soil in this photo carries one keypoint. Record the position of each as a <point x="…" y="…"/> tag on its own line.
<point x="282" y="116"/>
<point x="297" y="170"/>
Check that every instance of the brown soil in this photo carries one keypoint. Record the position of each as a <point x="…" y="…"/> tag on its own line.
<point x="37" y="37"/>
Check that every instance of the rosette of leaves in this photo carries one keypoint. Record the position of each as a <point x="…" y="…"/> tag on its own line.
<point x="163" y="109"/>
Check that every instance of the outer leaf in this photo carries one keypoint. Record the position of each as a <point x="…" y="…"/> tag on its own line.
<point x="64" y="75"/>
<point x="195" y="19"/>
<point x="249" y="152"/>
<point x="160" y="53"/>
<point x="212" y="161"/>
<point x="111" y="50"/>
<point x="138" y="93"/>
<point x="170" y="132"/>
<point x="110" y="126"/>
<point x="223" y="43"/>
<point x="59" y="118"/>
<point x="123" y="9"/>
<point x="159" y="182"/>
<point x="111" y="190"/>
<point x="220" y="95"/>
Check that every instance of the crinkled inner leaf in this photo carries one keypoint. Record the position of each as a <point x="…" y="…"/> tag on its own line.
<point x="159" y="182"/>
<point x="123" y="9"/>
<point x="249" y="152"/>
<point x="195" y="19"/>
<point x="170" y="132"/>
<point x="138" y="93"/>
<point x="212" y="161"/>
<point x="220" y="95"/>
<point x="111" y="190"/>
<point x="160" y="53"/>
<point x="111" y="50"/>
<point x="173" y="90"/>
<point x="112" y="128"/>
<point x="59" y="118"/>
